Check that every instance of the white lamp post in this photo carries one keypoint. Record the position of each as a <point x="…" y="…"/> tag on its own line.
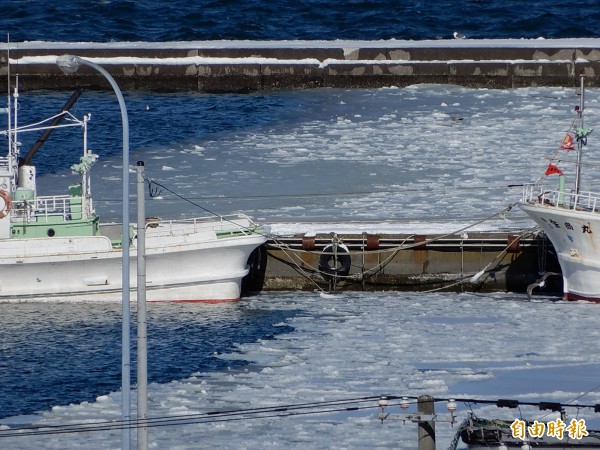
<point x="70" y="64"/>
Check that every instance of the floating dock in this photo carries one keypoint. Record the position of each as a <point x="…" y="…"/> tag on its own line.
<point x="477" y="262"/>
<point x="251" y="66"/>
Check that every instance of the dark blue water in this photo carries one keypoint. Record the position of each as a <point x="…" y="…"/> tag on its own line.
<point x="56" y="353"/>
<point x="157" y="20"/>
<point x="62" y="353"/>
<point x="155" y="120"/>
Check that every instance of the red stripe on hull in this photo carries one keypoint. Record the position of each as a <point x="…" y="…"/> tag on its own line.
<point x="225" y="300"/>
<point x="575" y="297"/>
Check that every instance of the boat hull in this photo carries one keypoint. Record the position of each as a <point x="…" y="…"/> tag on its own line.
<point x="575" y="235"/>
<point x="181" y="266"/>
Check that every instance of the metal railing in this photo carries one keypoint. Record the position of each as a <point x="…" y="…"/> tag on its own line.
<point x="237" y="224"/>
<point x="4" y="162"/>
<point x="584" y="201"/>
<point x="53" y="206"/>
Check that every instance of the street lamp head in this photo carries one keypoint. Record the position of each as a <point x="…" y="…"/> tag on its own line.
<point x="68" y="63"/>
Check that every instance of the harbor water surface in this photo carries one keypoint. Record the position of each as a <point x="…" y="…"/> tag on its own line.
<point x="426" y="157"/>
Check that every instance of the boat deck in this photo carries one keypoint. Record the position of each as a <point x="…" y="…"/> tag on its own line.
<point x="582" y="201"/>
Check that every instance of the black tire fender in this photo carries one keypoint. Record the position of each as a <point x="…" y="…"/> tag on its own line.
<point x="335" y="261"/>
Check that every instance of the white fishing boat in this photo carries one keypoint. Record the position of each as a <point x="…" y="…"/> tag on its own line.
<point x="570" y="217"/>
<point x="55" y="247"/>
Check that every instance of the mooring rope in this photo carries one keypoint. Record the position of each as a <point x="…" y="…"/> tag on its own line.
<point x="306" y="270"/>
<point x="395" y="250"/>
<point x="498" y="257"/>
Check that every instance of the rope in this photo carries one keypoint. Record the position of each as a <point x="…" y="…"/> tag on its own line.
<point x="358" y="277"/>
<point x="463" y="426"/>
<point x="298" y="269"/>
<point x="154" y="193"/>
<point x="474" y="278"/>
<point x="40" y="125"/>
<point x="338" y="194"/>
<point x="395" y="250"/>
<point x="443" y="236"/>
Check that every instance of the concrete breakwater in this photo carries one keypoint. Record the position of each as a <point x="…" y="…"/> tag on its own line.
<point x="249" y="66"/>
<point x="477" y="262"/>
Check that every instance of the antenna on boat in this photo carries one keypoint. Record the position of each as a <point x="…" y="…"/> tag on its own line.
<point x="9" y="103"/>
<point x="580" y="140"/>
<point x="11" y="132"/>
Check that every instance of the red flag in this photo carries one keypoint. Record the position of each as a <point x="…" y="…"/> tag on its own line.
<point x="552" y="169"/>
<point x="567" y="143"/>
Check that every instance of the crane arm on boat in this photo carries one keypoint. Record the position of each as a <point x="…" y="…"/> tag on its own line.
<point x="25" y="160"/>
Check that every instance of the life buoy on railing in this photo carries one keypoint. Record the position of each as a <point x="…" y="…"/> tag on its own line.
<point x="335" y="262"/>
<point x="5" y="203"/>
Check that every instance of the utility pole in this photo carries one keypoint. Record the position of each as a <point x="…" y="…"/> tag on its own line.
<point x="426" y="406"/>
<point x="142" y="338"/>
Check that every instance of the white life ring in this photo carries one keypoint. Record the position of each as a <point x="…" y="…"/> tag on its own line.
<point x="5" y="203"/>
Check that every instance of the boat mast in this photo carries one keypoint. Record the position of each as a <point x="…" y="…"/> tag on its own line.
<point x="86" y="198"/>
<point x="580" y="140"/>
<point x="8" y="102"/>
<point x="15" y="117"/>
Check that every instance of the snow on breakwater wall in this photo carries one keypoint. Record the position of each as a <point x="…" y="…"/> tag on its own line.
<point x="248" y="66"/>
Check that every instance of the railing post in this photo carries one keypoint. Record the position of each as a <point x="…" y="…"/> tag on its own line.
<point x="426" y="405"/>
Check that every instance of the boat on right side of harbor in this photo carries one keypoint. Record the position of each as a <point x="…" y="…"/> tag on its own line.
<point x="570" y="216"/>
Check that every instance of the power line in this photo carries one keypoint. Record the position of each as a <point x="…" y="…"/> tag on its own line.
<point x="312" y="195"/>
<point x="209" y="417"/>
<point x="289" y="410"/>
